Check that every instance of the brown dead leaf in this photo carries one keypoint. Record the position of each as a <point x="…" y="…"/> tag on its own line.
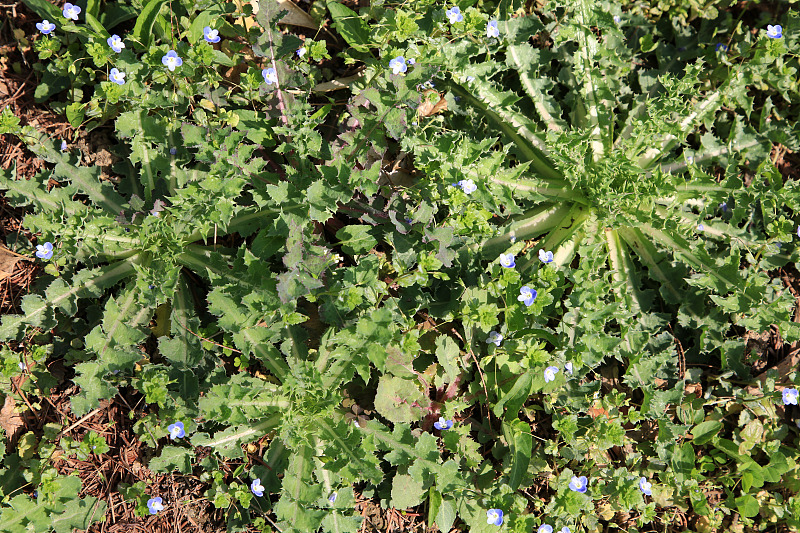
<point x="10" y="419"/>
<point x="8" y="261"/>
<point x="432" y="103"/>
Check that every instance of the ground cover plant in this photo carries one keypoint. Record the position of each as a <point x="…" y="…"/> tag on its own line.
<point x="495" y="265"/>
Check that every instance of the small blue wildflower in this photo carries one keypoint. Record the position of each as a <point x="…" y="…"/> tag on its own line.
<point x="507" y="260"/>
<point x="71" y="12"/>
<point x="115" y="42"/>
<point x="724" y="206"/>
<point x="545" y="257"/>
<point x="494" y="338"/>
<point x="568" y="368"/>
<point x="21" y="366"/>
<point x="176" y="429"/>
<point x="63" y="146"/>
<point x="492" y="30"/>
<point x="565" y="529"/>
<point x="579" y="484"/>
<point x="721" y="47"/>
<point x="545" y="528"/>
<point x="468" y="186"/>
<point x="550" y="373"/>
<point x="151" y="286"/>
<point x="117" y="77"/>
<point x="494" y="516"/>
<point x="701" y="227"/>
<point x="443" y="424"/>
<point x="512" y="238"/>
<point x="790" y="396"/>
<point x="45" y="26"/>
<point x="256" y="487"/>
<point x="155" y="504"/>
<point x="211" y="36"/>
<point x="645" y="486"/>
<point x="773" y="32"/>
<point x="270" y="76"/>
<point x="398" y="65"/>
<point x="172" y="60"/>
<point x="617" y="19"/>
<point x="44" y="251"/>
<point x="332" y="497"/>
<point x="454" y="14"/>
<point x="411" y="61"/>
<point x="798" y="231"/>
<point x="527" y="296"/>
<point x="301" y="51"/>
<point x="173" y="151"/>
<point x="470" y="78"/>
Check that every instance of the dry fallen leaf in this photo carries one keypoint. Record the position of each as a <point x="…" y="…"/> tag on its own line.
<point x="8" y="260"/>
<point x="432" y="103"/>
<point x="10" y="419"/>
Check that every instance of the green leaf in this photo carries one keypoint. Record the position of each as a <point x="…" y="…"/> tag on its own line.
<point x="350" y="26"/>
<point x="518" y="435"/>
<point x="406" y="492"/>
<point x="79" y="514"/>
<point x="447" y="353"/>
<point x="446" y="516"/>
<point x="94" y="23"/>
<point x="172" y="458"/>
<point x="747" y="505"/>
<point x="705" y="431"/>
<point x="75" y="114"/>
<point x="399" y="400"/>
<point x="45" y="9"/>
<point x="356" y="239"/>
<point x="143" y="30"/>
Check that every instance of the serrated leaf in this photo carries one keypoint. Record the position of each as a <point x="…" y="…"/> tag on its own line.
<point x="406" y="492"/>
<point x="350" y="26"/>
<point x="172" y="458"/>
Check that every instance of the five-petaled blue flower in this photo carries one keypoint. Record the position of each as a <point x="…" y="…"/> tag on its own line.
<point x="565" y="529"/>
<point x="301" y="51"/>
<point x="550" y="374"/>
<point x="211" y="36"/>
<point x="443" y="424"/>
<point x="44" y="251"/>
<point x="545" y="257"/>
<point x="270" y="76"/>
<point x="45" y="26"/>
<point x="411" y="61"/>
<point x="773" y="32"/>
<point x="721" y="47"/>
<point x="63" y="145"/>
<point x="116" y="76"/>
<point x="173" y="151"/>
<point x="645" y="486"/>
<point x="494" y="338"/>
<point x="526" y="296"/>
<point x="454" y="14"/>
<point x="568" y="368"/>
<point x="507" y="260"/>
<point x="468" y="186"/>
<point x="545" y="528"/>
<point x="701" y="227"/>
<point x="617" y="19"/>
<point x="491" y="29"/>
<point x="115" y="42"/>
<point x="579" y="484"/>
<point x="494" y="516"/>
<point x="790" y="396"/>
<point x="155" y="504"/>
<point x="332" y="497"/>
<point x="398" y="65"/>
<point x="256" y="487"/>
<point x="176" y="430"/>
<point x="71" y="12"/>
<point x="171" y="60"/>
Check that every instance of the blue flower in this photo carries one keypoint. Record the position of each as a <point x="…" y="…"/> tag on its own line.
<point x="565" y="529"/>
<point x="568" y="368"/>
<point x="645" y="486"/>
<point x="176" y="430"/>
<point x="443" y="424"/>
<point x="63" y="146"/>
<point x="579" y="484"/>
<point x="550" y="374"/>
<point x="45" y="26"/>
<point x="398" y="65"/>
<point x="44" y="251"/>
<point x="790" y="396"/>
<point x="155" y="504"/>
<point x="701" y="227"/>
<point x="526" y="296"/>
<point x="494" y="516"/>
<point x="798" y="231"/>
<point x="470" y="78"/>
<point x="617" y="19"/>
<point x="256" y="487"/>
<point x="211" y="36"/>
<point x="332" y="497"/>
<point x="301" y="51"/>
<point x="21" y="366"/>
<point x="507" y="260"/>
<point x="115" y="42"/>
<point x="171" y="60"/>
<point x="492" y="29"/>
<point x="545" y="257"/>
<point x="494" y="338"/>
<point x="468" y="186"/>
<point x="411" y="61"/>
<point x="724" y="207"/>
<point x="454" y="14"/>
<point x="72" y="12"/>
<point x="173" y="151"/>
<point x="270" y="76"/>
<point x="545" y="528"/>
<point x="773" y="32"/>
<point x="117" y="77"/>
<point x="721" y="47"/>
